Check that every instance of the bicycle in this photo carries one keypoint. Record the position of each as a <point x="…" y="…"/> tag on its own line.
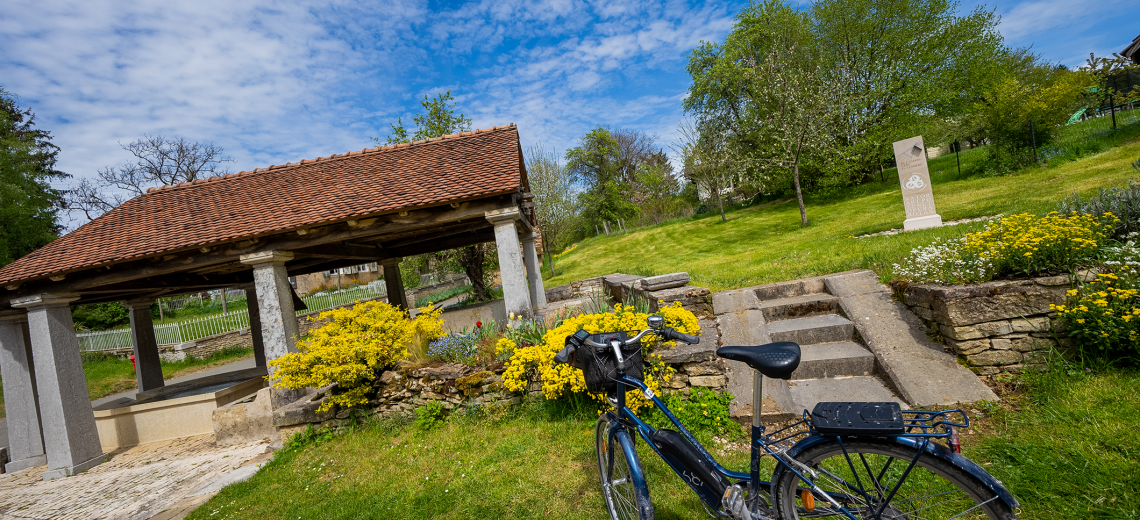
<point x="844" y="460"/>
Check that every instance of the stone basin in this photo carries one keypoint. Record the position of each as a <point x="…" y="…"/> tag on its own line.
<point x="174" y="411"/>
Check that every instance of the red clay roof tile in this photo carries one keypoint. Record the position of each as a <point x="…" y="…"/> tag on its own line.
<point x="282" y="198"/>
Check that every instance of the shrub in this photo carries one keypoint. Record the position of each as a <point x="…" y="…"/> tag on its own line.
<point x="1122" y="202"/>
<point x="560" y="380"/>
<point x="429" y="416"/>
<point x="1022" y="244"/>
<point x="351" y="350"/>
<point x="1103" y="316"/>
<point x="704" y="413"/>
<point x="101" y="316"/>
<point x="455" y="348"/>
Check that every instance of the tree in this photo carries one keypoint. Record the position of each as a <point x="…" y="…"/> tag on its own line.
<point x="607" y="163"/>
<point x="28" y="203"/>
<point x="553" y="198"/>
<point x="1112" y="83"/>
<point x="439" y="119"/>
<point x="707" y="156"/>
<point x="158" y="161"/>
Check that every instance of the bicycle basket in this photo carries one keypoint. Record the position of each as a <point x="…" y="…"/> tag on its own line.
<point x="599" y="365"/>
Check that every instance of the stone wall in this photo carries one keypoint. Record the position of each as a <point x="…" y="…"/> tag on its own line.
<point x="664" y="289"/>
<point x="995" y="326"/>
<point x="579" y="289"/>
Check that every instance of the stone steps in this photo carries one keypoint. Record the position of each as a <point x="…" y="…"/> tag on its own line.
<point x="828" y="328"/>
<point x="839" y="359"/>
<point x="803" y="306"/>
<point x="807" y="392"/>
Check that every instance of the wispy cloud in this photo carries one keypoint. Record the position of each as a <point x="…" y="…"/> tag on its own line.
<point x="273" y="82"/>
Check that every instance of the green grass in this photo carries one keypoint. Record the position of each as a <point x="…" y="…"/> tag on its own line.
<point x="439" y="296"/>
<point x="764" y="244"/>
<point x="1071" y="449"/>
<point x="1066" y="446"/>
<point x="537" y="461"/>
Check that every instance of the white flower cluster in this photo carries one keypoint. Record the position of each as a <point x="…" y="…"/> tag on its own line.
<point x="1125" y="259"/>
<point x="943" y="263"/>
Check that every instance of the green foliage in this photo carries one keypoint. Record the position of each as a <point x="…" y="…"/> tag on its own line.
<point x="596" y="162"/>
<point x="311" y="436"/>
<point x="1103" y="318"/>
<point x="101" y="316"/>
<point x="703" y="412"/>
<point x="28" y="203"/>
<point x="439" y="120"/>
<point x="1123" y="202"/>
<point x="429" y="416"/>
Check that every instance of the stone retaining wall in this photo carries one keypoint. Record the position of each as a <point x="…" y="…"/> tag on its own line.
<point x="995" y="326"/>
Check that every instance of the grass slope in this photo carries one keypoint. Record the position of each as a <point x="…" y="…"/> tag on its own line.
<point x="766" y="244"/>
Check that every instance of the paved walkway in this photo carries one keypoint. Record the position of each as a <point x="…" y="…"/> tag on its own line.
<point x="136" y="483"/>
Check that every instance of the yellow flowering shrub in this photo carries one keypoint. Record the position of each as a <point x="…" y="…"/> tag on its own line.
<point x="358" y="343"/>
<point x="1030" y="244"/>
<point x="1103" y="318"/>
<point x="1022" y="244"/>
<point x="559" y="380"/>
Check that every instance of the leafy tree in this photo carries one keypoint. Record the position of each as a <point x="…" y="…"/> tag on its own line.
<point x="657" y="187"/>
<point x="553" y="198"/>
<point x="607" y="163"/>
<point x="101" y="316"/>
<point x="157" y="161"/>
<point x="708" y="158"/>
<point x="28" y="203"/>
<point x="438" y="120"/>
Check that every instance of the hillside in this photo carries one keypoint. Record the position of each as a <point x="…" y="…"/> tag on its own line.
<point x="764" y="244"/>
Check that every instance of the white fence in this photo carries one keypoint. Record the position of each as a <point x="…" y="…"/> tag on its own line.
<point x="197" y="328"/>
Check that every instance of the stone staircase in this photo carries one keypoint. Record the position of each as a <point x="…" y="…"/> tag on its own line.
<point x="829" y="317"/>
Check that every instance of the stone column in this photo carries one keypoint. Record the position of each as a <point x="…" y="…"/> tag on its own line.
<point x="70" y="437"/>
<point x="148" y="366"/>
<point x="533" y="271"/>
<point x="394" y="283"/>
<point x="516" y="296"/>
<point x="255" y="335"/>
<point x="279" y="326"/>
<point x="21" y="404"/>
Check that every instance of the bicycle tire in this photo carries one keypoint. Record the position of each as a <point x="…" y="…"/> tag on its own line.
<point x="934" y="489"/>
<point x="624" y="489"/>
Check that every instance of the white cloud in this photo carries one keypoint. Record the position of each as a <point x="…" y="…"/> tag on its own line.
<point x="273" y="82"/>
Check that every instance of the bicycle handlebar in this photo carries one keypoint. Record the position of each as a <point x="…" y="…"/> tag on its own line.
<point x="666" y="333"/>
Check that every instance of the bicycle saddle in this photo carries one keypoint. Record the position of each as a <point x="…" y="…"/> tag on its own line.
<point x="776" y="360"/>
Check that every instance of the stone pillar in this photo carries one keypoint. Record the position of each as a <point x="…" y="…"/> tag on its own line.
<point x="394" y="283"/>
<point x="148" y="366"/>
<point x="516" y="296"/>
<point x="533" y="271"/>
<point x="70" y="437"/>
<point x="21" y="404"/>
<point x="255" y="335"/>
<point x="279" y="326"/>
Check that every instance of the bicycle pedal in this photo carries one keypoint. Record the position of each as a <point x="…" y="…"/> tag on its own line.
<point x="736" y="506"/>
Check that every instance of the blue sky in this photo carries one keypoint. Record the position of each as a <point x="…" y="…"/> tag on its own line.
<point x="274" y="82"/>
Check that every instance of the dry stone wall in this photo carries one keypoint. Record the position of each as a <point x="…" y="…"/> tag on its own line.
<point x="995" y="326"/>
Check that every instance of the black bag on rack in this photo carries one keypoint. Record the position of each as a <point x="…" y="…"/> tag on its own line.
<point x="599" y="365"/>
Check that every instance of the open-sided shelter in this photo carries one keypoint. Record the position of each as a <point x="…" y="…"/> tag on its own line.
<point x="252" y="229"/>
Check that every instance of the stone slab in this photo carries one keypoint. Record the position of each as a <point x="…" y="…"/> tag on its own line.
<point x="854" y="283"/>
<point x="734" y="300"/>
<point x="303" y="411"/>
<point x="246" y="421"/>
<point x="71" y="471"/>
<point x="803" y="306"/>
<point x="918" y="368"/>
<point x="665" y="281"/>
<point x="559" y="293"/>
<point x="816" y="329"/>
<point x="806" y="393"/>
<point x="840" y="359"/>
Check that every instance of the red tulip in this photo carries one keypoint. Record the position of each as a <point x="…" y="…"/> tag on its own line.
<point x="478" y="324"/>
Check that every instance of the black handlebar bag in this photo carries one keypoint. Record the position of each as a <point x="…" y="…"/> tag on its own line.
<point x="599" y="365"/>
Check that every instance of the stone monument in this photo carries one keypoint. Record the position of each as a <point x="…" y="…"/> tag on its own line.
<point x="914" y="177"/>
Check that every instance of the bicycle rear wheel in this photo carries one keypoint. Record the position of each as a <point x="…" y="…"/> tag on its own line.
<point x="862" y="480"/>
<point x="623" y="481"/>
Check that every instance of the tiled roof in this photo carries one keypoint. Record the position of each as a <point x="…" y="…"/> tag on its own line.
<point x="277" y="199"/>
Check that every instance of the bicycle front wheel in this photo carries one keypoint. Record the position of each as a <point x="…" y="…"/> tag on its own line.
<point x="862" y="481"/>
<point x="623" y="481"/>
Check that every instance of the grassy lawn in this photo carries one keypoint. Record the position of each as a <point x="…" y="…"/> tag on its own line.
<point x="535" y="461"/>
<point x="111" y="375"/>
<point x="1066" y="446"/>
<point x="764" y="244"/>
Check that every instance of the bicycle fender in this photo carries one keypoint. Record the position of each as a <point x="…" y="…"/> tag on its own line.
<point x="935" y="450"/>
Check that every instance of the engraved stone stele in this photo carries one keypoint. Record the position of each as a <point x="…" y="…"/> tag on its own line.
<point x="914" y="178"/>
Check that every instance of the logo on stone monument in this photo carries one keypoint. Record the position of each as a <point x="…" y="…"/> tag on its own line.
<point x="915" y="183"/>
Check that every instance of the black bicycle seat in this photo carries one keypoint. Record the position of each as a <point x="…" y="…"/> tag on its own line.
<point x="776" y="360"/>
